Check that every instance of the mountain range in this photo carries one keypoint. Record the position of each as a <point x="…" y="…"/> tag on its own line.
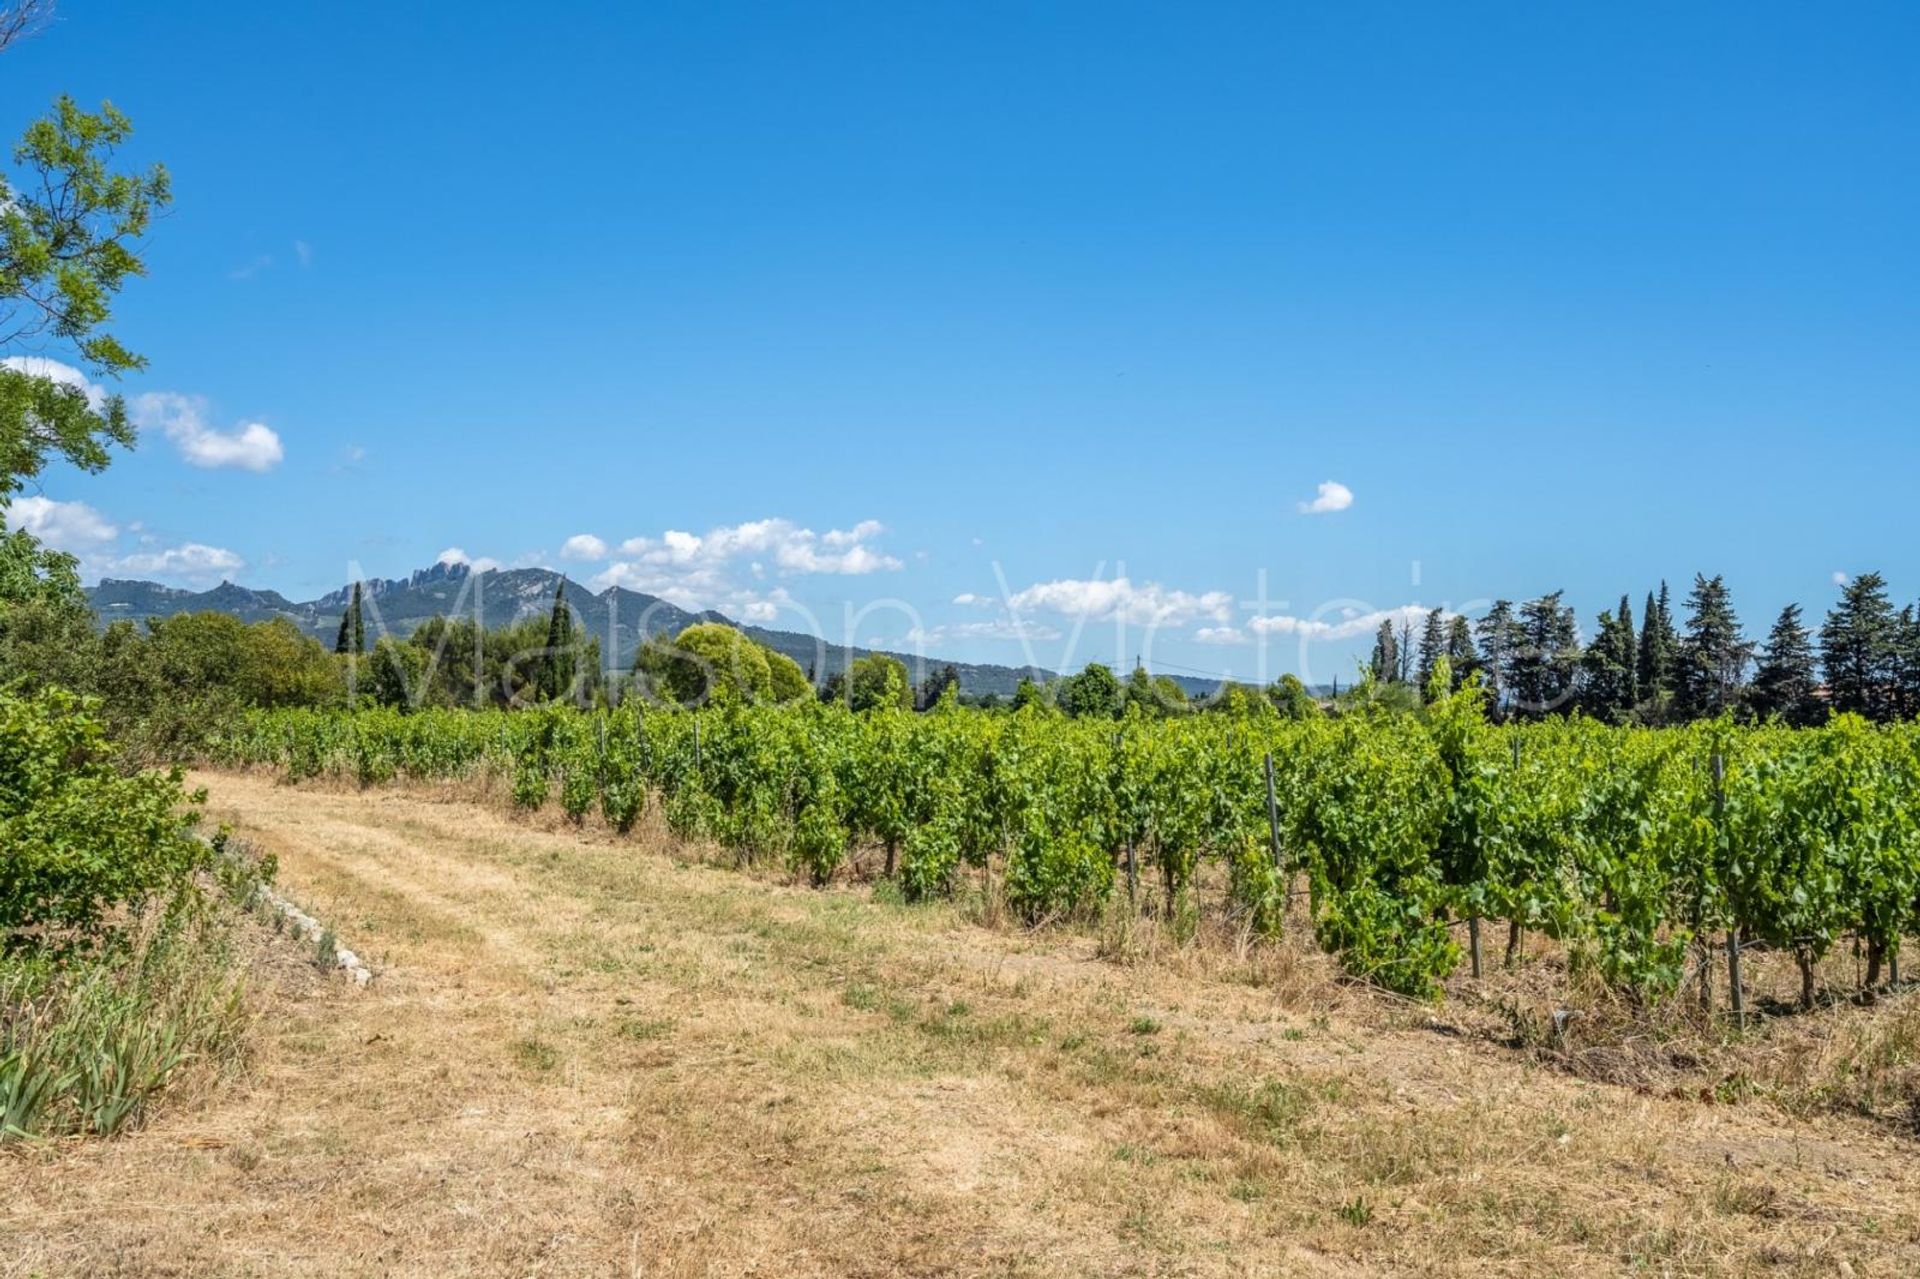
<point x="622" y="619"/>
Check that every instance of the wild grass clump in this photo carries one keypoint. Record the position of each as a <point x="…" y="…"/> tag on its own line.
<point x="117" y="966"/>
<point x="87" y="1042"/>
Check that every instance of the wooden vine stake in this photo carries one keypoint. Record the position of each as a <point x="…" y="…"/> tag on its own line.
<point x="1273" y="831"/>
<point x="1736" y="990"/>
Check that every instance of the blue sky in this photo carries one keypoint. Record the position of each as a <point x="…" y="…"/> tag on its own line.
<point x="1562" y="297"/>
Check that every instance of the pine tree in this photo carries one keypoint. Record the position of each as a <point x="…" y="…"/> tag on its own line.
<point x="359" y="624"/>
<point x="343" y="643"/>
<point x="1784" y="683"/>
<point x="1461" y="655"/>
<point x="1433" y="646"/>
<point x="1906" y="663"/>
<point x="556" y="668"/>
<point x="1499" y="638"/>
<point x="1857" y="646"/>
<point x="1713" y="655"/>
<point x="1547" y="655"/>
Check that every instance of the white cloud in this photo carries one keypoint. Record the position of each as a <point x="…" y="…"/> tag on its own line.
<point x="1839" y="578"/>
<point x="251" y="269"/>
<point x="1332" y="496"/>
<point x="303" y="251"/>
<point x="583" y="546"/>
<point x="253" y="446"/>
<point x="1352" y="624"/>
<point x="698" y="571"/>
<point x="1004" y="629"/>
<point x="81" y="530"/>
<point x="1220" y="635"/>
<point x="190" y="560"/>
<point x="1118" y="599"/>
<point x="55" y="371"/>
<point x="454" y="555"/>
<point x="791" y="548"/>
<point x="65" y="526"/>
<point x="969" y="600"/>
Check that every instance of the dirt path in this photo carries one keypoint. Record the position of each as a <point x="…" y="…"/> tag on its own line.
<point x="583" y="1057"/>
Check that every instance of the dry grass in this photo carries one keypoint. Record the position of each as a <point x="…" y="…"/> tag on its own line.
<point x="588" y="1056"/>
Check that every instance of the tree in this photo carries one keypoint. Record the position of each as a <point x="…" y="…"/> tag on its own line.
<point x="1547" y="655"/>
<point x="1156" y="695"/>
<point x="1028" y="693"/>
<point x="877" y="680"/>
<point x="556" y="663"/>
<point x="1499" y="640"/>
<point x="1713" y="655"/>
<point x="66" y="226"/>
<point x="1462" y="658"/>
<point x="1092" y="694"/>
<point x="1655" y="660"/>
<point x="1386" y="654"/>
<point x="1858" y="645"/>
<point x="18" y="21"/>
<point x="786" y="681"/>
<point x="936" y="684"/>
<point x="1906" y="662"/>
<point x="1607" y="669"/>
<point x="1403" y="650"/>
<point x="1433" y="646"/>
<point x="353" y="632"/>
<point x="1784" y="684"/>
<point x="707" y="662"/>
<point x="1291" y="698"/>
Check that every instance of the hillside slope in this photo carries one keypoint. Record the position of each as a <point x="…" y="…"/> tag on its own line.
<point x="622" y="619"/>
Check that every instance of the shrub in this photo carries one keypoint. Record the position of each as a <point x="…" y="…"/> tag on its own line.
<point x="82" y="840"/>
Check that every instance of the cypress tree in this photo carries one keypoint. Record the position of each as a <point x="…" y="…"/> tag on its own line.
<point x="352" y="637"/>
<point x="557" y="667"/>
<point x="1386" y="654"/>
<point x="1784" y="683"/>
<point x="1626" y="653"/>
<point x="1857" y="646"/>
<point x="1607" y="671"/>
<point x="1654" y="664"/>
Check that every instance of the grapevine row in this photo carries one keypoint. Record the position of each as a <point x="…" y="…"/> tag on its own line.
<point x="1628" y="846"/>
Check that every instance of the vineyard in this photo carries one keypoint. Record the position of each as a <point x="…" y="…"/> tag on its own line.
<point x="1643" y="853"/>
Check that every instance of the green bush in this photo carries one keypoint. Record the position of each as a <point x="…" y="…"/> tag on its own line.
<point x="85" y="844"/>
